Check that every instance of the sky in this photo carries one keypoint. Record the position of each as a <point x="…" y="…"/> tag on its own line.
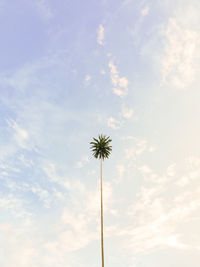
<point x="69" y="71"/>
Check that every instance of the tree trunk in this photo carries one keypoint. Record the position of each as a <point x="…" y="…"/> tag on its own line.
<point x="102" y="247"/>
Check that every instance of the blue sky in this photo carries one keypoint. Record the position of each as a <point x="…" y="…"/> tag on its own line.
<point x="70" y="70"/>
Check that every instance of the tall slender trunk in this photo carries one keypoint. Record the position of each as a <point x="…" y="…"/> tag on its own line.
<point x="102" y="247"/>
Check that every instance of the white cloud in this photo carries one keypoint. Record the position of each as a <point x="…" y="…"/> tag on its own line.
<point x="161" y="207"/>
<point x="120" y="84"/>
<point x="49" y="169"/>
<point x="171" y="170"/>
<point x="26" y="162"/>
<point x="145" y="169"/>
<point x="43" y="194"/>
<point x="92" y="203"/>
<point x="50" y="242"/>
<point x="183" y="181"/>
<point x="123" y="82"/>
<point x="82" y="162"/>
<point x="119" y="92"/>
<point x="127" y="113"/>
<point x="136" y="149"/>
<point x="173" y="241"/>
<point x="20" y="244"/>
<point x="87" y="78"/>
<point x="21" y="135"/>
<point x="14" y="205"/>
<point x="113" y="123"/>
<point x="181" y="53"/>
<point x="152" y="149"/>
<point x="79" y="236"/>
<point x="100" y="35"/>
<point x="145" y="11"/>
<point x="114" y="73"/>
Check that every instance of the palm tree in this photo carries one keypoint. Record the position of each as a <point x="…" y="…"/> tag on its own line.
<point x="101" y="149"/>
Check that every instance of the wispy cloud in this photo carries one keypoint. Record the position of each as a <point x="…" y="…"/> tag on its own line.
<point x="181" y="53"/>
<point x="136" y="147"/>
<point x="113" y="123"/>
<point x="159" y="213"/>
<point x="120" y="84"/>
<point x="100" y="35"/>
<point x="21" y="135"/>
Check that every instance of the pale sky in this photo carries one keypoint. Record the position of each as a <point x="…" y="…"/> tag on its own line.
<point x="70" y="70"/>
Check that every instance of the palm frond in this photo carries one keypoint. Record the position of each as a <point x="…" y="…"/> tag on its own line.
<point x="101" y="147"/>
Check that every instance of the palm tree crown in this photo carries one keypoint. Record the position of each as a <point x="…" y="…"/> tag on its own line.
<point x="101" y="147"/>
